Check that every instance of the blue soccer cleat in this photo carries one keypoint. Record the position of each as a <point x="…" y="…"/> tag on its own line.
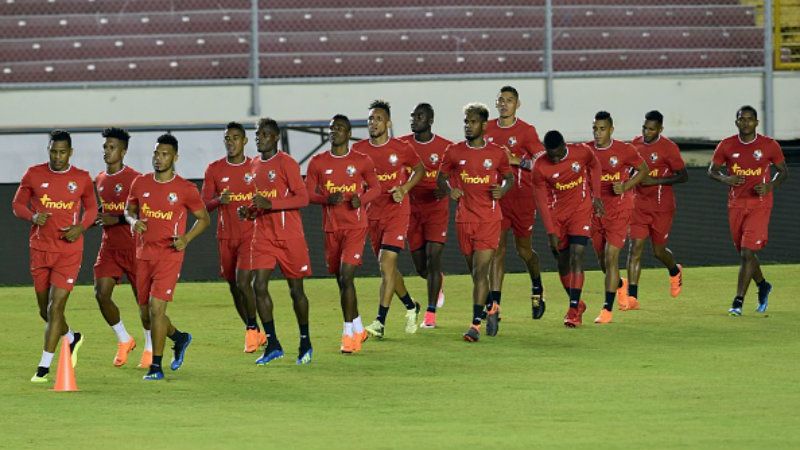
<point x="180" y="351"/>
<point x="270" y="356"/>
<point x="763" y="297"/>
<point x="735" y="312"/>
<point x="154" y="376"/>
<point x="305" y="358"/>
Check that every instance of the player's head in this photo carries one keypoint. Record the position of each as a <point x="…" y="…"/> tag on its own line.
<point x="380" y="118"/>
<point x="746" y="120"/>
<point x="475" y="117"/>
<point x="166" y="153"/>
<point x="602" y="128"/>
<point x="554" y="145"/>
<point x="507" y="102"/>
<point x="422" y="118"/>
<point x="116" y="145"/>
<point x="59" y="149"/>
<point x="340" y="130"/>
<point x="235" y="139"/>
<point x="653" y="126"/>
<point x="268" y="134"/>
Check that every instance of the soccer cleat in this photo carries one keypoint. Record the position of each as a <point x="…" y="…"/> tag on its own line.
<point x="412" y="316"/>
<point x="537" y="306"/>
<point x="76" y="345"/>
<point x="252" y="338"/>
<point x="375" y="329"/>
<point x="348" y="344"/>
<point x="180" y="351"/>
<point x="154" y="375"/>
<point x="147" y="359"/>
<point x="633" y="303"/>
<point x="305" y="357"/>
<point x="262" y="338"/>
<point x="622" y="295"/>
<point x="429" y="321"/>
<point x="440" y="299"/>
<point x="123" y="349"/>
<point x="604" y="317"/>
<point x="473" y="334"/>
<point x="493" y="320"/>
<point x="763" y="298"/>
<point x="676" y="282"/>
<point x="735" y="312"/>
<point x="574" y="317"/>
<point x="41" y="375"/>
<point x="269" y="356"/>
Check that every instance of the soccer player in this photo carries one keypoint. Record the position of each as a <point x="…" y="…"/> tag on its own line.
<point x="567" y="187"/>
<point x="343" y="181"/>
<point x="389" y="213"/>
<point x="430" y="211"/>
<point x="617" y="159"/>
<point x="228" y="185"/>
<point x="51" y="196"/>
<point x="747" y="157"/>
<point x="654" y="206"/>
<point x="521" y="141"/>
<point x="278" y="238"/>
<point x="117" y="255"/>
<point x="483" y="177"/>
<point x="157" y="212"/>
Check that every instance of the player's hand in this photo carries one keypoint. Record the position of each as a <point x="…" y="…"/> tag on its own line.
<point x="734" y="180"/>
<point x="225" y="196"/>
<point x="242" y="212"/>
<point x="456" y="193"/>
<point x="106" y="219"/>
<point x="72" y="232"/>
<point x="599" y="209"/>
<point x="619" y="187"/>
<point x="139" y="226"/>
<point x="262" y="202"/>
<point x="439" y="193"/>
<point x="40" y="218"/>
<point x="179" y="242"/>
<point x="552" y="239"/>
<point x="355" y="202"/>
<point x="513" y="159"/>
<point x="497" y="192"/>
<point x="398" y="193"/>
<point x="335" y="198"/>
<point x="763" y="188"/>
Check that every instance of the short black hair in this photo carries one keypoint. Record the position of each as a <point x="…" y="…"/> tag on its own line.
<point x="510" y="89"/>
<point x="117" y="133"/>
<point x="268" y="122"/>
<point x="477" y="108"/>
<point x="604" y="115"/>
<point x="654" y="116"/>
<point x="382" y="104"/>
<point x="168" y="139"/>
<point x="553" y="139"/>
<point x="425" y="107"/>
<point x="235" y="126"/>
<point x="344" y="119"/>
<point x="61" y="135"/>
<point x="747" y="108"/>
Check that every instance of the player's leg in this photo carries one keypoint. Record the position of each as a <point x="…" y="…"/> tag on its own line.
<point x="480" y="262"/>
<point x="56" y="328"/>
<point x="575" y="254"/>
<point x="387" y="261"/>
<point x="412" y="307"/>
<point x="264" y="305"/>
<point x="635" y="266"/>
<point x="103" y="288"/>
<point x="420" y="260"/>
<point x="161" y="327"/>
<point x="162" y="280"/>
<point x="497" y="269"/>
<point x="611" y="255"/>
<point x="244" y="286"/>
<point x="300" y="303"/>
<point x="524" y="247"/>
<point x="42" y="299"/>
<point x="435" y="279"/>
<point x="239" y="300"/>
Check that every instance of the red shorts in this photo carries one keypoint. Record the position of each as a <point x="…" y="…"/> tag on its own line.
<point x="428" y="224"/>
<point x="612" y="228"/>
<point x="390" y="231"/>
<point x="653" y="224"/>
<point x="749" y="226"/>
<point x="157" y="278"/>
<point x="233" y="254"/>
<point x="573" y="223"/>
<point x="344" y="247"/>
<point x="291" y="255"/>
<point x="519" y="216"/>
<point x="55" y="269"/>
<point x="115" y="263"/>
<point x="474" y="236"/>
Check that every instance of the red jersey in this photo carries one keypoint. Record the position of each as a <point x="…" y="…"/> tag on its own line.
<point x="616" y="161"/>
<point x="238" y="179"/>
<point x="663" y="158"/>
<point x="164" y="207"/>
<point x="62" y="194"/>
<point x="279" y="180"/>
<point x="522" y="140"/>
<point x="431" y="153"/>
<point x="113" y="190"/>
<point x="751" y="160"/>
<point x="476" y="171"/>
<point x="351" y="174"/>
<point x="393" y="161"/>
<point x="567" y="185"/>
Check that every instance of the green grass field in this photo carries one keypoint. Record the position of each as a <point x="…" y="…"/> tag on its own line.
<point x="675" y="374"/>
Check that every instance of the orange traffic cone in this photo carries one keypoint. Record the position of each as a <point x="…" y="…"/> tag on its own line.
<point x="65" y="378"/>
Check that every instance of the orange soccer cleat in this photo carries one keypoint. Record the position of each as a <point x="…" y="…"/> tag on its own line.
<point x="147" y="359"/>
<point x="622" y="295"/>
<point x="676" y="282"/>
<point x="348" y="344"/>
<point x="252" y="340"/>
<point x="123" y="349"/>
<point x="574" y="317"/>
<point x="604" y="317"/>
<point x="633" y="303"/>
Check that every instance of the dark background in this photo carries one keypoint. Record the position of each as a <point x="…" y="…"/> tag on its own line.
<point x="699" y="237"/>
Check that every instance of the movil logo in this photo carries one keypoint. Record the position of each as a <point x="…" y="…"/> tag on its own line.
<point x="387" y="176"/>
<point x="611" y="177"/>
<point x="653" y="173"/>
<point x="272" y="193"/>
<point x="242" y="197"/>
<point x="49" y="203"/>
<point x="737" y="170"/>
<point x="431" y="174"/>
<point x="465" y="178"/>
<point x="151" y="213"/>
<point x="571" y="185"/>
<point x="344" y="188"/>
<point x="113" y="206"/>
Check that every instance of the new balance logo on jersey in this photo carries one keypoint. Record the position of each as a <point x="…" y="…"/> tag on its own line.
<point x="225" y="179"/>
<point x="556" y="175"/>
<point x="474" y="180"/>
<point x="45" y="185"/>
<point x="328" y="171"/>
<point x="616" y="176"/>
<point x="49" y="203"/>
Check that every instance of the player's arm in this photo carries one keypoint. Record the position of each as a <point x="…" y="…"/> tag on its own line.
<point x="594" y="171"/>
<point x="297" y="197"/>
<point x="21" y="203"/>
<point x="373" y="189"/>
<point x="399" y="192"/>
<point x="312" y="185"/>
<point x="540" y="196"/>
<point x="209" y="192"/>
<point x="203" y="221"/>
<point x="499" y="190"/>
<point x="781" y="173"/>
<point x="132" y="212"/>
<point x="89" y="205"/>
<point x="630" y="183"/>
